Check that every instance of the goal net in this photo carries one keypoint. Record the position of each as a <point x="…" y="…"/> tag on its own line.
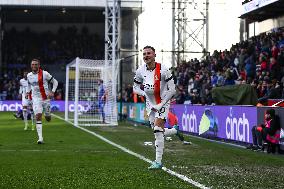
<point x="90" y="94"/>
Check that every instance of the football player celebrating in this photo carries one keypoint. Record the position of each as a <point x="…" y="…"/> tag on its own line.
<point x="158" y="88"/>
<point x="26" y="101"/>
<point x="38" y="81"/>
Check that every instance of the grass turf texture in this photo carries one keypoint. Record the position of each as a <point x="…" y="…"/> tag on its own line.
<point x="72" y="158"/>
<point x="211" y="164"/>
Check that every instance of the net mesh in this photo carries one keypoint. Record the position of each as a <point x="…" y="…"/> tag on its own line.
<point x="91" y="93"/>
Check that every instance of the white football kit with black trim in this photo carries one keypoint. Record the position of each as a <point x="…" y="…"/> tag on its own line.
<point x="158" y="87"/>
<point x="23" y="90"/>
<point x="38" y="84"/>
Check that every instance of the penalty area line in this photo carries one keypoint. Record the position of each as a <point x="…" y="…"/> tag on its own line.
<point x="180" y="176"/>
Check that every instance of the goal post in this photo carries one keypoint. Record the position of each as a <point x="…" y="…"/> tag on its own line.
<point x="90" y="93"/>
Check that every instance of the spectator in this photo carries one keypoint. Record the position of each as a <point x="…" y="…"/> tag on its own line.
<point x="274" y="92"/>
<point x="257" y="143"/>
<point x="229" y="78"/>
<point x="271" y="132"/>
<point x="250" y="68"/>
<point x="280" y="59"/>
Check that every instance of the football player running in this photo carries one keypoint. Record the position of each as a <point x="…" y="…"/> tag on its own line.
<point x="38" y="81"/>
<point x="26" y="101"/>
<point x="158" y="87"/>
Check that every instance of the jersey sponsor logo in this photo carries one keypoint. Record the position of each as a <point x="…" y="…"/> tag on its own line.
<point x="149" y="86"/>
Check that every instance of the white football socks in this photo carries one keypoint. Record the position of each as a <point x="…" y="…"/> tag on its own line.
<point x="169" y="132"/>
<point x="32" y="117"/>
<point x="25" y="115"/>
<point x="39" y="130"/>
<point x="159" y="143"/>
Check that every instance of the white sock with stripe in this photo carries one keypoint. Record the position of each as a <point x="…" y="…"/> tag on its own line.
<point x="25" y="115"/>
<point x="169" y="132"/>
<point x="39" y="130"/>
<point x="32" y="117"/>
<point x="159" y="143"/>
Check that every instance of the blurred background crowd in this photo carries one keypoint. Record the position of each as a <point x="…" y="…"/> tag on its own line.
<point x="258" y="61"/>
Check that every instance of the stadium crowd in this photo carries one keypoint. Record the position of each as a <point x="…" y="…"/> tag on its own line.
<point x="9" y="88"/>
<point x="258" y="61"/>
<point x="52" y="47"/>
<point x="57" y="48"/>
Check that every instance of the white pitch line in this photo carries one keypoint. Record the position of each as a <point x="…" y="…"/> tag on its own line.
<point x="180" y="176"/>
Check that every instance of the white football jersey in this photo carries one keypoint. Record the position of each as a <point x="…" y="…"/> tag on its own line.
<point x="38" y="83"/>
<point x="23" y="87"/>
<point x="148" y="78"/>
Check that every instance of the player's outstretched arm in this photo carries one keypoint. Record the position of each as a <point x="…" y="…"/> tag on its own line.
<point x="137" y="89"/>
<point x="137" y="83"/>
<point x="54" y="87"/>
<point x="171" y="91"/>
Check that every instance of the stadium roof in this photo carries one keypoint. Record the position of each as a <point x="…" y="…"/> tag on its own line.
<point x="11" y="14"/>
<point x="259" y="10"/>
<point x="60" y="11"/>
<point x="68" y="3"/>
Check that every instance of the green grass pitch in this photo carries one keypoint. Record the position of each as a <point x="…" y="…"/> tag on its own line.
<point x="72" y="158"/>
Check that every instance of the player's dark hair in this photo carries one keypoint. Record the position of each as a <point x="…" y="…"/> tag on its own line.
<point x="36" y="60"/>
<point x="149" y="47"/>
